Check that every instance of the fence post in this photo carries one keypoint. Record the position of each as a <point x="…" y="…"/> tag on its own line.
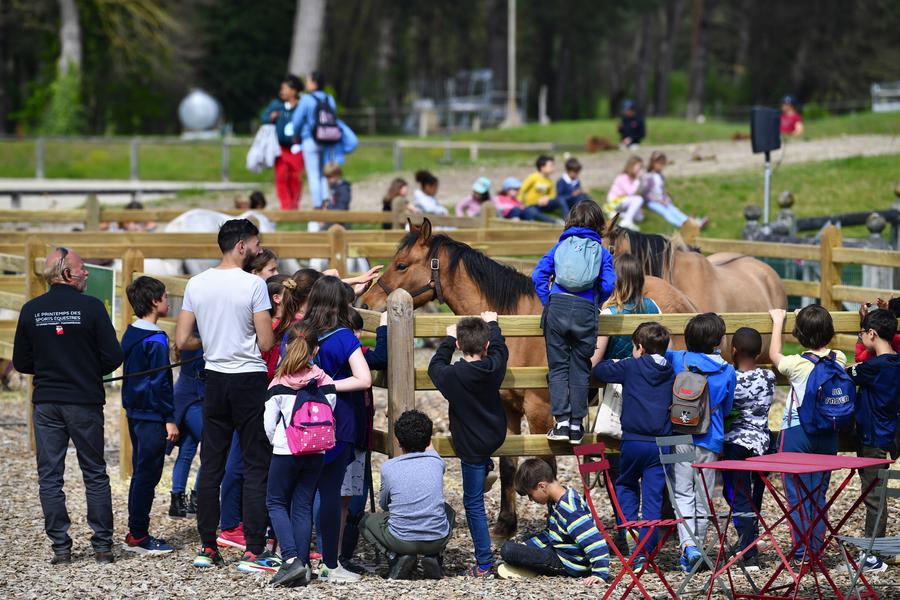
<point x="473" y="151"/>
<point x="398" y="156"/>
<point x="39" y="158"/>
<point x="398" y="210"/>
<point x="830" y="271"/>
<point x="338" y="242"/>
<point x="486" y="209"/>
<point x="134" y="159"/>
<point x="35" y="285"/>
<point x="92" y="213"/>
<point x="401" y="369"/>
<point x="132" y="262"/>
<point x="226" y="160"/>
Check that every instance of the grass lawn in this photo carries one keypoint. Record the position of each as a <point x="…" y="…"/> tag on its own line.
<point x="200" y="162"/>
<point x="836" y="186"/>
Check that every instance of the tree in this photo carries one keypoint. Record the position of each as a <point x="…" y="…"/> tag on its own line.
<point x="309" y="22"/>
<point x="670" y="15"/>
<point x="65" y="114"/>
<point x="699" y="41"/>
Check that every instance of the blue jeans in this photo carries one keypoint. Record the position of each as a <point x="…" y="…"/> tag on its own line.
<point x="191" y="434"/>
<point x="313" y="157"/>
<point x="536" y="213"/>
<point x="473" y="477"/>
<point x="641" y="485"/>
<point x="744" y="492"/>
<point x="232" y="493"/>
<point x="148" y="443"/>
<point x="289" y="496"/>
<point x="797" y="440"/>
<point x="669" y="212"/>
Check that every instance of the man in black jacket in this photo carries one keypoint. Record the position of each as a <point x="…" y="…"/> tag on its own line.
<point x="67" y="341"/>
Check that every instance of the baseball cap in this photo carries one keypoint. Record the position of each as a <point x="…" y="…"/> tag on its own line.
<point x="482" y="185"/>
<point x="511" y="183"/>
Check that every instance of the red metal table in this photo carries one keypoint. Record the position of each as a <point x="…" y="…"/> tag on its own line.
<point x="792" y="464"/>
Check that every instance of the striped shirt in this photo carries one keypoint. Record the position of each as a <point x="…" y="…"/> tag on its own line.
<point x="574" y="537"/>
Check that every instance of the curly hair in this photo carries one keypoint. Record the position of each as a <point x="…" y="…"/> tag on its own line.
<point x="413" y="430"/>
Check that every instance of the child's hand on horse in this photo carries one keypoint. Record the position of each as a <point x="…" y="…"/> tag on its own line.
<point x="451" y="331"/>
<point x="489" y="316"/>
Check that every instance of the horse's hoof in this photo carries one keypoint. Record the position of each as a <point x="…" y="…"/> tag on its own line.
<point x="503" y="531"/>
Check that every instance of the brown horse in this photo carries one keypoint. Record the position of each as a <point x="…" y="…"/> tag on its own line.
<point x="436" y="267"/>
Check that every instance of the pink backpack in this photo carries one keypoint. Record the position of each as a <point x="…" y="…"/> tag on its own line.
<point x="311" y="429"/>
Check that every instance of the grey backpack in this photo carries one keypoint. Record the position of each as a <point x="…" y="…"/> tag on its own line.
<point x="690" y="402"/>
<point x="577" y="263"/>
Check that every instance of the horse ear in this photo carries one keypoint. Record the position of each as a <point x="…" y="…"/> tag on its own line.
<point x="410" y="226"/>
<point x="613" y="223"/>
<point x="425" y="231"/>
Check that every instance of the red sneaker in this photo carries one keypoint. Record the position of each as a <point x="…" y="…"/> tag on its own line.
<point x="313" y="555"/>
<point x="233" y="538"/>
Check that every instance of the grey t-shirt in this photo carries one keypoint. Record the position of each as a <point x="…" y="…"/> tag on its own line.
<point x="412" y="491"/>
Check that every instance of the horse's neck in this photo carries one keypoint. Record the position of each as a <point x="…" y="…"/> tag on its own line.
<point x="464" y="296"/>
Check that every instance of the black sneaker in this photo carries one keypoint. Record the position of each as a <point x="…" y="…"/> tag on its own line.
<point x="431" y="567"/>
<point x="559" y="433"/>
<point x="191" y="505"/>
<point x="104" y="557"/>
<point x="291" y="574"/>
<point x="402" y="566"/>
<point x="576" y="434"/>
<point x="177" y="506"/>
<point x="63" y="558"/>
<point x="353" y="567"/>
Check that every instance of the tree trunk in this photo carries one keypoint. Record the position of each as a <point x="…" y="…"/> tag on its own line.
<point x="699" y="43"/>
<point x="496" y="29"/>
<point x="69" y="36"/>
<point x="671" y="14"/>
<point x="643" y="67"/>
<point x="309" y="22"/>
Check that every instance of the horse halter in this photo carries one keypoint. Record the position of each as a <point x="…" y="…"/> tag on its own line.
<point x="433" y="285"/>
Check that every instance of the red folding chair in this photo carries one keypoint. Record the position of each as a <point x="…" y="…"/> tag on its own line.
<point x="594" y="461"/>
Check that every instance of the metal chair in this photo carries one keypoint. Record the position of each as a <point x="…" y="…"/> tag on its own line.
<point x="594" y="461"/>
<point x="870" y="546"/>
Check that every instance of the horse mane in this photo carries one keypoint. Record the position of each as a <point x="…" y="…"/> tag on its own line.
<point x="502" y="285"/>
<point x="656" y="252"/>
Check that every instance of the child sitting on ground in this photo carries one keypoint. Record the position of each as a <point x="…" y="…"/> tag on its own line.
<point x="653" y="189"/>
<point x="624" y="194"/>
<point x="477" y="416"/>
<point x="568" y="187"/>
<point x="814" y="329"/>
<point x="747" y="435"/>
<point x="703" y="335"/>
<point x="150" y="407"/>
<point x="470" y="206"/>
<point x="631" y="126"/>
<point x="538" y="193"/>
<point x="572" y="280"/>
<point x="417" y="521"/>
<point x="646" y="380"/>
<point x="570" y="545"/>
<point x="424" y="200"/>
<point x="507" y="202"/>
<point x="877" y="413"/>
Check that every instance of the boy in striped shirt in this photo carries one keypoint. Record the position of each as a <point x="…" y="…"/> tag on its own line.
<point x="570" y="545"/>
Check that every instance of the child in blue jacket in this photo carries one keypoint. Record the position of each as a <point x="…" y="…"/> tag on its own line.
<point x="149" y="406"/>
<point x="646" y="379"/>
<point x="703" y="336"/>
<point x="569" y="322"/>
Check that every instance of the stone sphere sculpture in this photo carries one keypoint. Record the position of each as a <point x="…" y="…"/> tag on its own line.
<point x="199" y="111"/>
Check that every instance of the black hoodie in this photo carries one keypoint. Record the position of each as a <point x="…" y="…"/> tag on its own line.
<point x="66" y="340"/>
<point x="477" y="417"/>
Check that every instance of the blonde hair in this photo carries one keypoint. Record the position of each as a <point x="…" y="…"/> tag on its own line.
<point x="629" y="284"/>
<point x="332" y="169"/>
<point x="301" y="347"/>
<point x="632" y="160"/>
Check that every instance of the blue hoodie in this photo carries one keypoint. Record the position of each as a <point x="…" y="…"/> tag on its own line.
<point x="646" y="394"/>
<point x="878" y="401"/>
<point x="545" y="269"/>
<point x="722" y="380"/>
<point x="147" y="397"/>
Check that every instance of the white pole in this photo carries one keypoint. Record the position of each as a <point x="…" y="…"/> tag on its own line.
<point x="512" y="112"/>
<point x="767" y="186"/>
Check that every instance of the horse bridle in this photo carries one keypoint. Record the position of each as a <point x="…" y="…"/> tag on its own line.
<point x="433" y="285"/>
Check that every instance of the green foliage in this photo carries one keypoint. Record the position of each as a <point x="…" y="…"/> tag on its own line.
<point x="65" y="113"/>
<point x="814" y="111"/>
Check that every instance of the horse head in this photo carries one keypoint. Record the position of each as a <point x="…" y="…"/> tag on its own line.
<point x="615" y="238"/>
<point x="413" y="269"/>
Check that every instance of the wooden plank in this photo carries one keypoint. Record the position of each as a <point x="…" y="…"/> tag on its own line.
<point x="174" y="285"/>
<point x="181" y="251"/>
<point x="380" y="441"/>
<point x="371" y="319"/>
<point x="529" y="325"/>
<point x="76" y="215"/>
<point x="850" y="293"/>
<point x="6" y="350"/>
<point x="12" y="263"/>
<point x="12" y="283"/>
<point x="829" y="269"/>
<point x="132" y="263"/>
<point x="526" y="445"/>
<point x="758" y="249"/>
<point x="12" y="300"/>
<point x="7" y="325"/>
<point x="867" y="256"/>
<point x="337" y="246"/>
<point x="401" y="375"/>
<point x="795" y="287"/>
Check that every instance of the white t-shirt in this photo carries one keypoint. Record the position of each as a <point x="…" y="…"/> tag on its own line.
<point x="224" y="301"/>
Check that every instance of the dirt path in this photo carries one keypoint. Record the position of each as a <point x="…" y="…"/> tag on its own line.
<point x="600" y="169"/>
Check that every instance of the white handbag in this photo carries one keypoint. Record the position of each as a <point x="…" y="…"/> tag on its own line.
<point x="609" y="414"/>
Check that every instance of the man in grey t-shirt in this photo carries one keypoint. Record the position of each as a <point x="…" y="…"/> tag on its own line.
<point x="230" y="309"/>
<point x="417" y="521"/>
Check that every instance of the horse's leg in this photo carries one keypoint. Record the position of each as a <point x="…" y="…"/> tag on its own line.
<point x="507" y="521"/>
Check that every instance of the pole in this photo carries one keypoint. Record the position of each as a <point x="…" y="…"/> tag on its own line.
<point x="512" y="112"/>
<point x="767" y="189"/>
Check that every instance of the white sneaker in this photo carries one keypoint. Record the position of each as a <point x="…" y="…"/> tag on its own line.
<point x="874" y="564"/>
<point x="337" y="575"/>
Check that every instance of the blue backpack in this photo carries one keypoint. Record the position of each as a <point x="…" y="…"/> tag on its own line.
<point x="577" y="263"/>
<point x="829" y="403"/>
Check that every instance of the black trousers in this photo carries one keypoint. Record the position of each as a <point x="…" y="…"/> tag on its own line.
<point x="234" y="402"/>
<point x="570" y="332"/>
<point x="540" y="560"/>
<point x="54" y="426"/>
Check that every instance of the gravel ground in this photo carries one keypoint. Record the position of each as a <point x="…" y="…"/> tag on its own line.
<point x="172" y="576"/>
